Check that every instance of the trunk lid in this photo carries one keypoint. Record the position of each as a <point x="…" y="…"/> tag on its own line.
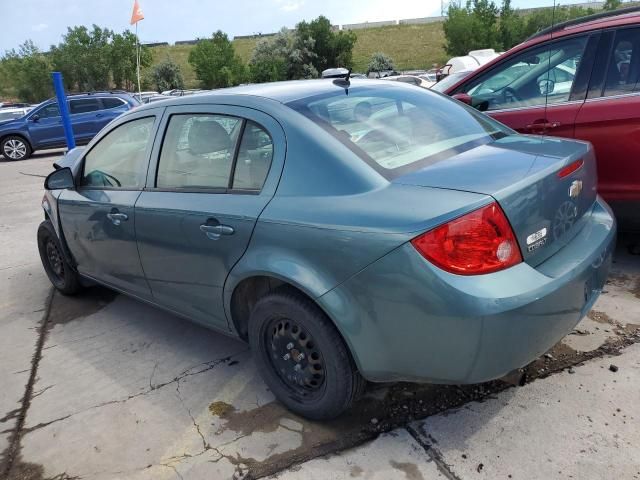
<point x="521" y="173"/>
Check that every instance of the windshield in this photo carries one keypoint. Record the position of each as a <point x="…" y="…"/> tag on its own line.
<point x="397" y="130"/>
<point x="449" y="80"/>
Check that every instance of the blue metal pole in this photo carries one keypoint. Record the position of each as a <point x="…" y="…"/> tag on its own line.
<point x="64" y="110"/>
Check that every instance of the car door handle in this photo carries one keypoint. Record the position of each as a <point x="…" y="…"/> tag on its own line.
<point x="542" y="124"/>
<point x="98" y="115"/>
<point x="213" y="232"/>
<point x="117" y="218"/>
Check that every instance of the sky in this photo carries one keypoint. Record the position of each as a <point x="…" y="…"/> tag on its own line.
<point x="45" y="21"/>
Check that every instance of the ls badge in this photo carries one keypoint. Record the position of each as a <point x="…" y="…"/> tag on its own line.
<point x="575" y="188"/>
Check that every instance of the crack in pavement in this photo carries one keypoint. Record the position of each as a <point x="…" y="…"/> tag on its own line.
<point x="186" y="373"/>
<point x="12" y="453"/>
<point x="432" y="452"/>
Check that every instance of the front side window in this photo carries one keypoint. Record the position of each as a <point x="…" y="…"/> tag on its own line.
<point x="119" y="159"/>
<point x="535" y="77"/>
<point x="398" y="130"/>
<point x="83" y="106"/>
<point x="623" y="74"/>
<point x="49" y="111"/>
<point x="198" y="151"/>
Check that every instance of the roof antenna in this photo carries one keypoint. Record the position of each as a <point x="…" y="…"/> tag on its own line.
<point x="546" y="93"/>
<point x="344" y="82"/>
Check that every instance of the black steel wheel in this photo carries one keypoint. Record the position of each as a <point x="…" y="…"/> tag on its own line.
<point x="60" y="273"/>
<point x="302" y="356"/>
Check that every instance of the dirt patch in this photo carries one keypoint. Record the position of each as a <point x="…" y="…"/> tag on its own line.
<point x="410" y="470"/>
<point x="600" y="317"/>
<point x="90" y="301"/>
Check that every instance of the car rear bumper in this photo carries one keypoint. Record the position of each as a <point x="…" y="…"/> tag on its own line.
<point x="405" y="319"/>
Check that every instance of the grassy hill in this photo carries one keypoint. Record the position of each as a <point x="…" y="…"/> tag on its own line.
<point x="410" y="46"/>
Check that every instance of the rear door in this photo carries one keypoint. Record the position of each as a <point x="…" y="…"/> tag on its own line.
<point x="217" y="168"/>
<point x="111" y="107"/>
<point x="610" y="120"/>
<point x="97" y="217"/>
<point x="83" y="113"/>
<point x="538" y="90"/>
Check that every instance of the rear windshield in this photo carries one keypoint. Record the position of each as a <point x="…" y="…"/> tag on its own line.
<point x="397" y="130"/>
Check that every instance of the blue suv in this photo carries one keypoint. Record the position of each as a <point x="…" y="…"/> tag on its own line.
<point x="42" y="127"/>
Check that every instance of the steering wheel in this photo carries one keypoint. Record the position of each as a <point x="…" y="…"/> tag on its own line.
<point x="509" y="95"/>
<point x="108" y="177"/>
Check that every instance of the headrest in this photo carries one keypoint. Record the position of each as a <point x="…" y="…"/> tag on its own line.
<point x="208" y="136"/>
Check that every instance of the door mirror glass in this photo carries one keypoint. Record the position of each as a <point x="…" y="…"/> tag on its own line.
<point x="35" y="118"/>
<point x="59" y="180"/>
<point x="546" y="86"/>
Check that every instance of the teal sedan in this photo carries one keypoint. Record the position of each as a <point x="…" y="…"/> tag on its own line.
<point x="349" y="230"/>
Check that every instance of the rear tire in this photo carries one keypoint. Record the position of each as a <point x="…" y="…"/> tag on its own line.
<point x="60" y="273"/>
<point x="15" y="147"/>
<point x="302" y="357"/>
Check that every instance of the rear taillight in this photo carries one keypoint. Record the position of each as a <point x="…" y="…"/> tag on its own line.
<point x="569" y="169"/>
<point x="479" y="242"/>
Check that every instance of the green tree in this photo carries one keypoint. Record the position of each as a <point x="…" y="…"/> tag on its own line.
<point x="84" y="57"/>
<point x="612" y="4"/>
<point x="510" y="26"/>
<point x="471" y="27"/>
<point x="380" y="62"/>
<point x="123" y="59"/>
<point x="331" y="48"/>
<point x="166" y="75"/>
<point x="29" y="73"/>
<point x="216" y="63"/>
<point x="284" y="56"/>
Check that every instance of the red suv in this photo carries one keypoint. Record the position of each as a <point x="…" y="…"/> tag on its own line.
<point x="579" y="79"/>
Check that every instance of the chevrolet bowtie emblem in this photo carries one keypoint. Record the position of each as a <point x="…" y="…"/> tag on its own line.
<point x="575" y="188"/>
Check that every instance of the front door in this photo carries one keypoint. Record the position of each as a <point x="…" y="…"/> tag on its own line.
<point x="98" y="218"/>
<point x="196" y="218"/>
<point x="45" y="127"/>
<point x="531" y="92"/>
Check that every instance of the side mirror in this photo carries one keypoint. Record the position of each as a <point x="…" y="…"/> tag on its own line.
<point x="546" y="86"/>
<point x="60" y="180"/>
<point x="463" y="97"/>
<point x="35" y="118"/>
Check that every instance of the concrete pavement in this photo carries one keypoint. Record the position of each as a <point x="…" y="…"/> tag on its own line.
<point x="100" y="386"/>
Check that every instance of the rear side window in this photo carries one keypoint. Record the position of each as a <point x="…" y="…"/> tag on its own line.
<point x="112" y="102"/>
<point x="119" y="159"/>
<point x="623" y="71"/>
<point x="254" y="158"/>
<point x="83" y="106"/>
<point x="198" y="151"/>
<point x="396" y="130"/>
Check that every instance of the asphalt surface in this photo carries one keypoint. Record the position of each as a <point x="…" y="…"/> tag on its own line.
<point x="100" y="386"/>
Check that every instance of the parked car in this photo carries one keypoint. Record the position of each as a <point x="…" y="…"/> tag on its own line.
<point x="13" y="113"/>
<point x="388" y="234"/>
<point x="579" y="79"/>
<point x="411" y="80"/>
<point x="42" y="127"/>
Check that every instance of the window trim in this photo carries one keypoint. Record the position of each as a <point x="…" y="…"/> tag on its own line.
<point x="212" y="190"/>
<point x="104" y="107"/>
<point x="78" y="181"/>
<point x="464" y="87"/>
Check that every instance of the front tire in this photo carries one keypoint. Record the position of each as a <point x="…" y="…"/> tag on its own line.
<point x="15" y="148"/>
<point x="302" y="357"/>
<point x="60" y="273"/>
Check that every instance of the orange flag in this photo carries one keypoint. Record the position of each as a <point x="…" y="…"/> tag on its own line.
<point x="137" y="14"/>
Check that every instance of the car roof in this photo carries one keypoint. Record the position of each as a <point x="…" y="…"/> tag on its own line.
<point x="626" y="16"/>
<point x="283" y="92"/>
